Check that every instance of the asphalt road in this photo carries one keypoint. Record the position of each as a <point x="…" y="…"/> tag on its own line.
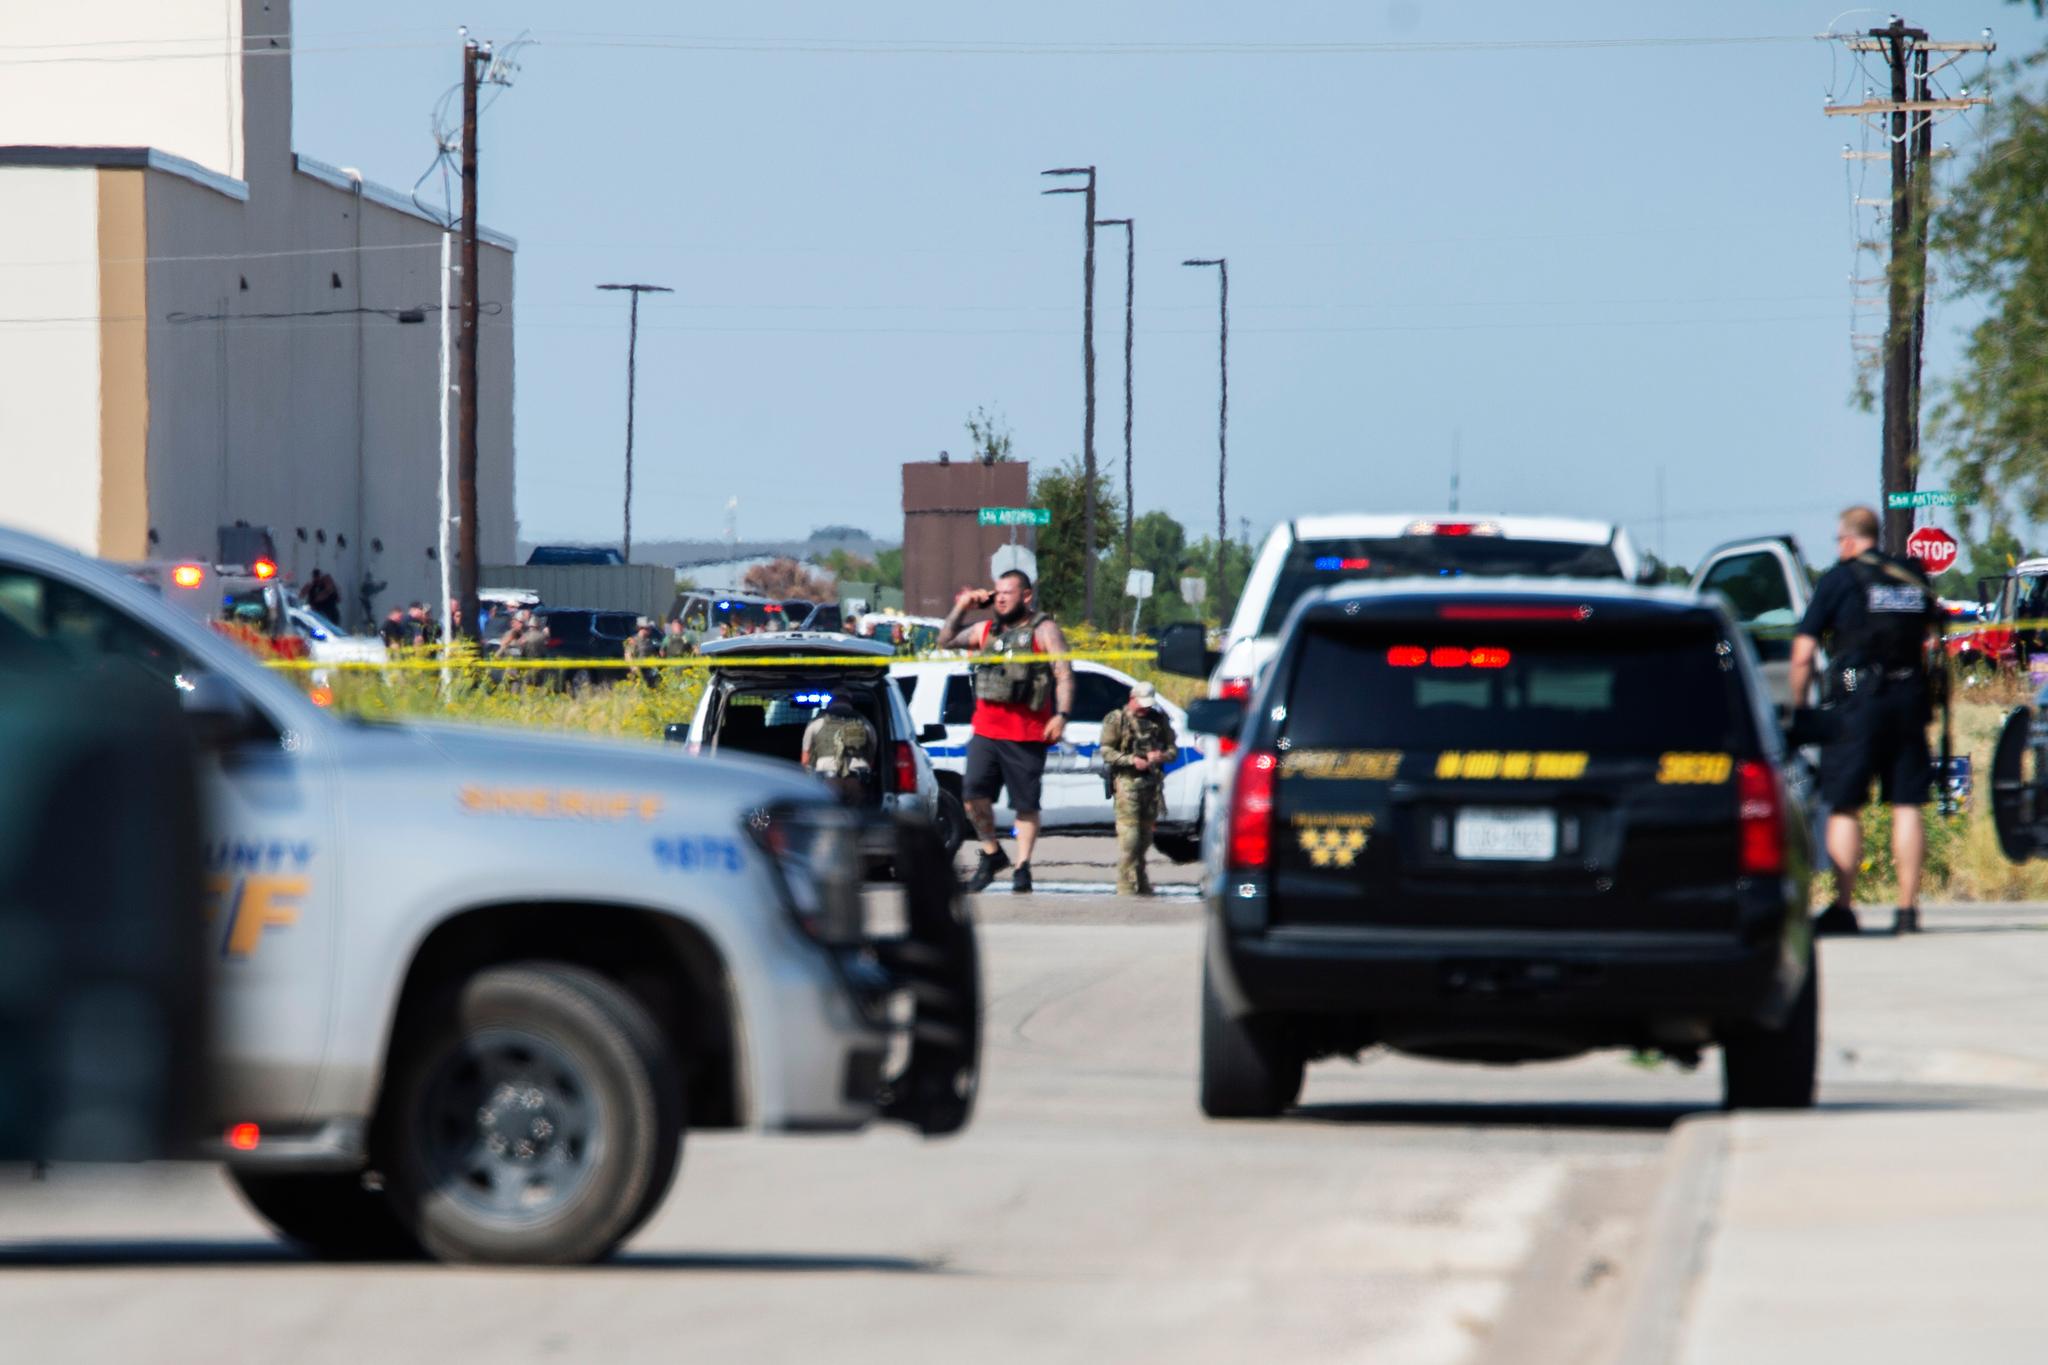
<point x="1406" y="1213"/>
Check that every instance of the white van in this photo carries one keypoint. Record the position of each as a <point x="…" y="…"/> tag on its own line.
<point x="940" y="692"/>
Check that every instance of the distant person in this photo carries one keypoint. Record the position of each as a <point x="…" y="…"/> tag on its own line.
<point x="643" y="645"/>
<point x="393" y="632"/>
<point x="1137" y="743"/>
<point x="366" y="597"/>
<point x="1020" y="708"/>
<point x="1877" y="614"/>
<point x="323" y="595"/>
<point x="677" y="643"/>
<point x="840" y="746"/>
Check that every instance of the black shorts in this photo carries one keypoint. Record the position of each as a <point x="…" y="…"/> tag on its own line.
<point x="995" y="764"/>
<point x="1881" y="735"/>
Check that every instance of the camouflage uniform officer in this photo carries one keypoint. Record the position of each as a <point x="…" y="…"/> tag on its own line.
<point x="1137" y="744"/>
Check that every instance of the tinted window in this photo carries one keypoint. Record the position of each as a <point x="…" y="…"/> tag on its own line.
<point x="46" y="622"/>
<point x="959" y="704"/>
<point x="1096" y="695"/>
<point x="1316" y="563"/>
<point x="906" y="683"/>
<point x="1755" y="586"/>
<point x="1651" y="689"/>
<point x="618" y="625"/>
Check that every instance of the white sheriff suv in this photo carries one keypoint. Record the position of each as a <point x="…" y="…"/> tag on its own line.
<point x="472" y="986"/>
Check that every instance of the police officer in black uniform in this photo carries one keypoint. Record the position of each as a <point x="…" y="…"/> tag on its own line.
<point x="1876" y="612"/>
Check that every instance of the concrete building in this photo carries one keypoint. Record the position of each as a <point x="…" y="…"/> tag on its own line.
<point x="199" y="326"/>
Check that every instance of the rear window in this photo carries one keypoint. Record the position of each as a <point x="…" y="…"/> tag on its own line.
<point x="1647" y="690"/>
<point x="1317" y="563"/>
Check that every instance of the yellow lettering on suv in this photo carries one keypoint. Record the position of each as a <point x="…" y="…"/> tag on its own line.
<point x="1516" y="765"/>
<point x="1703" y="770"/>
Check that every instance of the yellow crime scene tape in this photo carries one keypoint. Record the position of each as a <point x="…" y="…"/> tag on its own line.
<point x="463" y="660"/>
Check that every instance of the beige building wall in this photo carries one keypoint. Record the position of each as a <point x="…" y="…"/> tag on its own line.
<point x="50" y="354"/>
<point x="72" y="80"/>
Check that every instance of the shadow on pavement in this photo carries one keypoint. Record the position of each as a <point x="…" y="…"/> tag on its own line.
<point x="121" y="1254"/>
<point x="1543" y="1114"/>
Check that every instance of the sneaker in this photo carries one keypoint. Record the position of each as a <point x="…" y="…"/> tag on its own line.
<point x="985" y="870"/>
<point x="1837" y="919"/>
<point x="1020" y="880"/>
<point x="1906" y="920"/>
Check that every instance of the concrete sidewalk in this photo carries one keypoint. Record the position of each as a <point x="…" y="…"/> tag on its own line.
<point x="1875" y="1237"/>
<point x="1875" y="1231"/>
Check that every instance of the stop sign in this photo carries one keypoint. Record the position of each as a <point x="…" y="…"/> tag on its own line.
<point x="1933" y="547"/>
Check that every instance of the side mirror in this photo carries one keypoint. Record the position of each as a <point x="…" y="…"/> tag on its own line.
<point x="676" y="732"/>
<point x="932" y="734"/>
<point x="1184" y="649"/>
<point x="1221" y="716"/>
<point x="215" y="709"/>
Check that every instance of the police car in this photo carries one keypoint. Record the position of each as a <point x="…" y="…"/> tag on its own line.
<point x="473" y="986"/>
<point x="940" y="694"/>
<point x="1507" y="822"/>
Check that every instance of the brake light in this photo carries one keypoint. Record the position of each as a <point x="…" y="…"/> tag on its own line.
<point x="264" y="569"/>
<point x="1251" y="811"/>
<point x="906" y="768"/>
<point x="1491" y="658"/>
<point x="1471" y="611"/>
<point x="1240" y="688"/>
<point x="1760" y="819"/>
<point x="188" y="575"/>
<point x="1407" y="656"/>
<point x="244" y="1137"/>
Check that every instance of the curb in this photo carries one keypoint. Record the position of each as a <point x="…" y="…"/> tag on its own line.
<point x="1674" y="1242"/>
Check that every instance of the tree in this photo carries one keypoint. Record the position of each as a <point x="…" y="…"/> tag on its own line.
<point x="1992" y="419"/>
<point x="845" y="565"/>
<point x="1060" y="551"/>
<point x="989" y="435"/>
<point x="889" y="568"/>
<point x="787" y="578"/>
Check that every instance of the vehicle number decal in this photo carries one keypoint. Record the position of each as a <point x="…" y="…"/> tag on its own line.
<point x="1341" y="765"/>
<point x="1494" y="765"/>
<point x="698" y="853"/>
<point x="1332" y="840"/>
<point x="559" y="803"/>
<point x="1694" y="769"/>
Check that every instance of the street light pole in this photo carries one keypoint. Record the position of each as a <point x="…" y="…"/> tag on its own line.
<point x="632" y="365"/>
<point x="1130" y="228"/>
<point x="1087" y="377"/>
<point x="1222" y="422"/>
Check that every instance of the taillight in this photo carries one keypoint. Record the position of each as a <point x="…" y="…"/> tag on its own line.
<point x="1251" y="811"/>
<point x="906" y="768"/>
<point x="244" y="1137"/>
<point x="1240" y="688"/>
<point x="1760" y="819"/>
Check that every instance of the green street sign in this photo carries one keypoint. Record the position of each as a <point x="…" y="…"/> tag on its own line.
<point x="1929" y="497"/>
<point x="1014" y="516"/>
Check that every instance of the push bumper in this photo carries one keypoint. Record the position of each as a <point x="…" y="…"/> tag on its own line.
<point x="933" y="966"/>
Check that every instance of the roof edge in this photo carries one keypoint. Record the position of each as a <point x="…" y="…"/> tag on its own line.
<point x="385" y="196"/>
<point x="128" y="158"/>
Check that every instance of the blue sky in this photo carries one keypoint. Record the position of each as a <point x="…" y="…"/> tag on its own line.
<point x="1582" y="265"/>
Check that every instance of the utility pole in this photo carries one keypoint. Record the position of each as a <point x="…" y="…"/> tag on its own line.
<point x="1908" y="126"/>
<point x="1087" y="376"/>
<point x="1130" y="228"/>
<point x="1222" y="423"/>
<point x="475" y="57"/>
<point x="632" y="349"/>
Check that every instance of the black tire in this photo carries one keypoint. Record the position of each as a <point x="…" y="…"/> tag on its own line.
<point x="1251" y="1069"/>
<point x="951" y="823"/>
<point x="1777" y="1068"/>
<point x="1180" y="848"/>
<point x="329" y="1213"/>
<point x="534" y="1117"/>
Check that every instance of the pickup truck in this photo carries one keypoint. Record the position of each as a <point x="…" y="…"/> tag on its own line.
<point x="472" y="986"/>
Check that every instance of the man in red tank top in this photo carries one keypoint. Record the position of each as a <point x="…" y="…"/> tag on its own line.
<point x="1021" y="705"/>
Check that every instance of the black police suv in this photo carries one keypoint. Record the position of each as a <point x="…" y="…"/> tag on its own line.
<point x="1501" y="823"/>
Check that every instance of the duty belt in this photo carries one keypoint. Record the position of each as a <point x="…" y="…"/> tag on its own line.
<point x="1876" y="677"/>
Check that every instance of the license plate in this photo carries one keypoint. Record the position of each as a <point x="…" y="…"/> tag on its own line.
<point x="1484" y="834"/>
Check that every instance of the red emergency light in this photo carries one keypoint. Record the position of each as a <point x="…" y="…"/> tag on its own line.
<point x="1407" y="656"/>
<point x="264" y="569"/>
<point x="188" y="575"/>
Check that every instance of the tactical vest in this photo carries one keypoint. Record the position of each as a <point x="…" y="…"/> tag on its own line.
<point x="1896" y="607"/>
<point x="844" y="742"/>
<point x="1009" y="683"/>
<point x="1150" y="730"/>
